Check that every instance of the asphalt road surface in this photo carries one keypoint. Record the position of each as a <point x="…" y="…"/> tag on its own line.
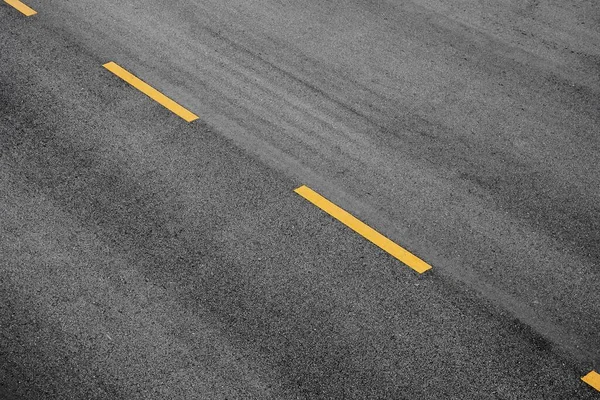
<point x="146" y="257"/>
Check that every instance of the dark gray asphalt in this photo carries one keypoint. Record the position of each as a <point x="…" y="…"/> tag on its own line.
<point x="143" y="257"/>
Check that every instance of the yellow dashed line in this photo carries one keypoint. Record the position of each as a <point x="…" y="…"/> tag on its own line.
<point x="364" y="230"/>
<point x="150" y="91"/>
<point x="24" y="9"/>
<point x="592" y="379"/>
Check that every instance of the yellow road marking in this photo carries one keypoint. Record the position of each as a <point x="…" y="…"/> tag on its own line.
<point x="363" y="229"/>
<point x="24" y="9"/>
<point x="592" y="379"/>
<point x="150" y="91"/>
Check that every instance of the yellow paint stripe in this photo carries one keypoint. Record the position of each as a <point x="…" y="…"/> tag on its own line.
<point x="363" y="229"/>
<point x="150" y="91"/>
<point x="592" y="379"/>
<point x="24" y="9"/>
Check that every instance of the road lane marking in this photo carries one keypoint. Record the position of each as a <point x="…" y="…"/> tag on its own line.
<point x="24" y="9"/>
<point x="363" y="229"/>
<point x="150" y="91"/>
<point x="592" y="379"/>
